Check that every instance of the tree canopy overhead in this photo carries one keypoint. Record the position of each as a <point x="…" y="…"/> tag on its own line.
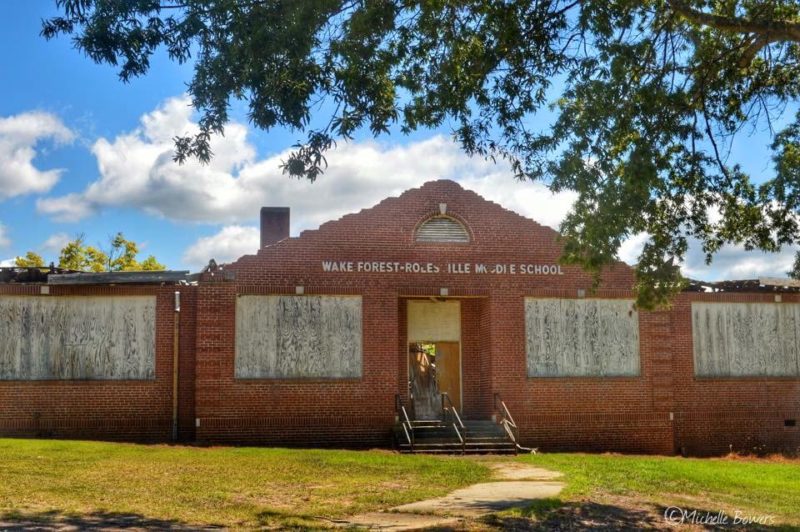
<point x="646" y="95"/>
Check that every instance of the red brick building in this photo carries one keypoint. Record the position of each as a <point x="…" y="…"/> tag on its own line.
<point x="316" y="339"/>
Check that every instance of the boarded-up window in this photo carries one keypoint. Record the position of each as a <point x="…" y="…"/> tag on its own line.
<point x="442" y="229"/>
<point x="746" y="339"/>
<point x="434" y="321"/>
<point x="294" y="337"/>
<point x="581" y="337"/>
<point x="77" y="337"/>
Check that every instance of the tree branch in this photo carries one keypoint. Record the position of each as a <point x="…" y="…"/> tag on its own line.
<point x="771" y="31"/>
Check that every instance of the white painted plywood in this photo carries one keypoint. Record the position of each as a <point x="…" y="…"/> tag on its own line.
<point x="581" y="337"/>
<point x="746" y="339"/>
<point x="288" y="337"/>
<point x="77" y="337"/>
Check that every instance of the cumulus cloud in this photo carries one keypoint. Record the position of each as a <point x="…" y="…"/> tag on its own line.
<point x="734" y="262"/>
<point x="731" y="262"/>
<point x="136" y="170"/>
<point x="631" y="248"/>
<point x="5" y="241"/>
<point x="55" y="242"/>
<point x="68" y="208"/>
<point x="20" y="135"/>
<point x="227" y="245"/>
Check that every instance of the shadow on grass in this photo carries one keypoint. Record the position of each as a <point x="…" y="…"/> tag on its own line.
<point x="553" y="514"/>
<point x="57" y="520"/>
<point x="273" y="519"/>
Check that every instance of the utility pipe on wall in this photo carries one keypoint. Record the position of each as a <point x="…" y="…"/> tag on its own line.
<point x="175" y="359"/>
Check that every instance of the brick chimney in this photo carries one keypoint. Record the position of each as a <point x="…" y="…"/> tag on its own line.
<point x="274" y="225"/>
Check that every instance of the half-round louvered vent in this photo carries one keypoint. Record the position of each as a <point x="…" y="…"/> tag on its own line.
<point x="442" y="229"/>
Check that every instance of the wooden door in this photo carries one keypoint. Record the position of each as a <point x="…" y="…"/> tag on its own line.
<point x="448" y="371"/>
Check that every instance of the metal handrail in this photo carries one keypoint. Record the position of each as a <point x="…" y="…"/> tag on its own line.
<point x="408" y="436"/>
<point x="457" y="423"/>
<point x="446" y="397"/>
<point x="461" y="439"/>
<point x="507" y="421"/>
<point x="505" y="424"/>
<point x="407" y="423"/>
<point x="408" y="427"/>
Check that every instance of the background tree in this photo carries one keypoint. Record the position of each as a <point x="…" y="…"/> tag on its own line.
<point x="30" y="260"/>
<point x="121" y="256"/>
<point x="647" y="96"/>
<point x="77" y="255"/>
<point x="794" y="273"/>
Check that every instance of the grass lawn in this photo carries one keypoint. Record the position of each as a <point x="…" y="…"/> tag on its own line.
<point x="634" y="491"/>
<point x="90" y="483"/>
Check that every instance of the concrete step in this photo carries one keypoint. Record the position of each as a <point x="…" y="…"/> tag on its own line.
<point x="457" y="449"/>
<point x="439" y="437"/>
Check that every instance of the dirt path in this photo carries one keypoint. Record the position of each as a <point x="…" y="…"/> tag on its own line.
<point x="516" y="485"/>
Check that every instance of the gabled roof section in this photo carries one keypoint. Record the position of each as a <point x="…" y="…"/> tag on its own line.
<point x="390" y="228"/>
<point x="409" y="209"/>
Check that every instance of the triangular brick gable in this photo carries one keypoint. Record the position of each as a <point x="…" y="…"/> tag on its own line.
<point x="389" y="226"/>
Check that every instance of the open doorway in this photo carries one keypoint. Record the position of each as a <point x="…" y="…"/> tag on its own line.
<point x="434" y="368"/>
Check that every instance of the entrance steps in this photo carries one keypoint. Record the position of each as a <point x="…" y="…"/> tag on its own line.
<point x="440" y="437"/>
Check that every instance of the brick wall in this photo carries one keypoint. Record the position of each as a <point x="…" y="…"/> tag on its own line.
<point x="361" y="412"/>
<point x="714" y="415"/>
<point x="665" y="409"/>
<point x="103" y="409"/>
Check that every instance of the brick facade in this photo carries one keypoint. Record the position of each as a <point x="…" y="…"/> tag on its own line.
<point x="665" y="409"/>
<point x="107" y="409"/>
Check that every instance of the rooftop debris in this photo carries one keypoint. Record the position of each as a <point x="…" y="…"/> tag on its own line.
<point x="14" y="274"/>
<point x="764" y="284"/>
<point x="106" y="278"/>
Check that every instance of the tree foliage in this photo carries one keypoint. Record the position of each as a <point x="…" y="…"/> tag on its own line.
<point x="120" y="256"/>
<point x="645" y="95"/>
<point x="30" y="260"/>
<point x="76" y="255"/>
<point x="794" y="273"/>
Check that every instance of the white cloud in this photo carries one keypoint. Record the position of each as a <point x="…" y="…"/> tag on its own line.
<point x="8" y="263"/>
<point x="227" y="245"/>
<point x="55" y="242"/>
<point x="734" y="262"/>
<point x="68" y="208"/>
<point x="5" y="241"/>
<point x="729" y="263"/>
<point x="136" y="170"/>
<point x="631" y="248"/>
<point x="19" y="137"/>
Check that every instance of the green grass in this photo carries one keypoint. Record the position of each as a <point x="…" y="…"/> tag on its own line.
<point x="88" y="482"/>
<point x="755" y="486"/>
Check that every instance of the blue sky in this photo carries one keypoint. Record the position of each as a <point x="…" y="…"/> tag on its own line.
<point x="81" y="152"/>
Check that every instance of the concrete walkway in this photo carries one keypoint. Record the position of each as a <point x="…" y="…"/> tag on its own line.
<point x="517" y="485"/>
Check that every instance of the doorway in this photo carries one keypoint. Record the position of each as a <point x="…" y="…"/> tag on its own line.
<point x="434" y="368"/>
<point x="434" y="355"/>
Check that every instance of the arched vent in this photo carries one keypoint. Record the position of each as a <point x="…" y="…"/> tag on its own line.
<point x="442" y="229"/>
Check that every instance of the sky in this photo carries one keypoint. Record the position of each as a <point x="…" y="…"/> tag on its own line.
<point x="83" y="153"/>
